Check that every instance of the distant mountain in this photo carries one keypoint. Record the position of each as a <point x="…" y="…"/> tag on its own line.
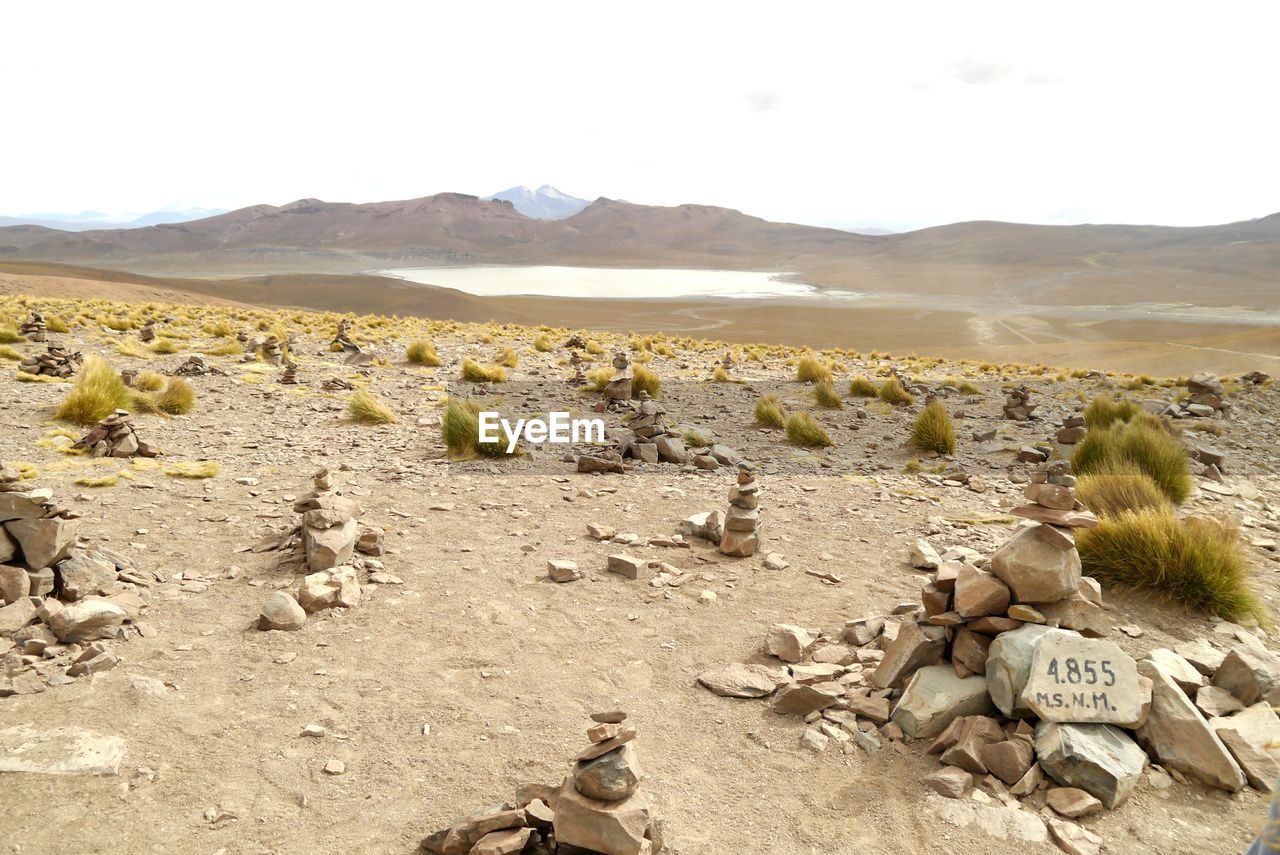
<point x="545" y="203"/>
<point x="94" y="220"/>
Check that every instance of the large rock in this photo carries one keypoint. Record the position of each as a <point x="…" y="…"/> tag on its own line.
<point x="281" y="611"/>
<point x="800" y="699"/>
<point x="16" y="615"/>
<point x="788" y="642"/>
<point x="1182" y="672"/>
<point x="978" y="593"/>
<point x="1260" y="769"/>
<point x="1035" y="568"/>
<point x="23" y="506"/>
<point x="1257" y="725"/>
<point x="935" y="697"/>
<point x="83" y="575"/>
<point x="1075" y="679"/>
<point x="1100" y="759"/>
<point x="329" y="589"/>
<point x="611" y="828"/>
<point x="15" y="584"/>
<point x="1077" y="612"/>
<point x="86" y="620"/>
<point x="329" y="547"/>
<point x="743" y="681"/>
<point x="912" y="649"/>
<point x="1177" y="737"/>
<point x="610" y="777"/>
<point x="671" y="450"/>
<point x="924" y="556"/>
<point x="1251" y="674"/>
<point x="1009" y="667"/>
<point x="44" y="542"/>
<point x="8" y="546"/>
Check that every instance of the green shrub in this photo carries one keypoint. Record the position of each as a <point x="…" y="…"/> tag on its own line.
<point x="891" y="392"/>
<point x="1122" y="487"/>
<point x="933" y="430"/>
<point x="803" y="429"/>
<point x="97" y="393"/>
<point x="826" y="396"/>
<point x="769" y="411"/>
<point x="365" y="408"/>
<point x="1142" y="445"/>
<point x="422" y="352"/>
<point x="1104" y="412"/>
<point x="810" y="370"/>
<point x="477" y="373"/>
<point x="861" y="387"/>
<point x="1195" y="562"/>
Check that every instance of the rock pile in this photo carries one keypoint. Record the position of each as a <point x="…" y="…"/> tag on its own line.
<point x="575" y="342"/>
<point x="148" y="332"/>
<point x="1003" y="670"/>
<point x="1255" y="378"/>
<point x="343" y="338"/>
<point x="619" y="387"/>
<point x="1017" y="404"/>
<point x="271" y="351"/>
<point x="576" y="362"/>
<point x="114" y="436"/>
<point x="597" y="808"/>
<point x="741" y="535"/>
<point x="54" y="362"/>
<point x="646" y="436"/>
<point x="194" y="366"/>
<point x="337" y="384"/>
<point x="1205" y="397"/>
<point x="329" y="527"/>
<point x="58" y="601"/>
<point x="289" y="376"/>
<point x="34" y="328"/>
<point x="1072" y="430"/>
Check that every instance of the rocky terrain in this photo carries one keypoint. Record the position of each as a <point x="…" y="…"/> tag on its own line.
<point x="296" y="632"/>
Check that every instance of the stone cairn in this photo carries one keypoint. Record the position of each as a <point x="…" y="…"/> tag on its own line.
<point x="194" y="366"/>
<point x="1255" y="378"/>
<point x="1017" y="404"/>
<point x="597" y="808"/>
<point x="114" y="436"/>
<point x="576" y="362"/>
<point x="59" y="602"/>
<point x="289" y="376"/>
<point x="343" y="337"/>
<point x="271" y="351"/>
<point x="148" y="332"/>
<point x="329" y="539"/>
<point x="741" y="536"/>
<point x="54" y="362"/>
<point x="575" y="342"/>
<point x="1072" y="430"/>
<point x="1003" y="670"/>
<point x="34" y="329"/>
<point x="619" y="387"/>
<point x="337" y="384"/>
<point x="1206" y="397"/>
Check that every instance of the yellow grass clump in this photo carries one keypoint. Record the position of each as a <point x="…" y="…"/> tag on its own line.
<point x="9" y="353"/>
<point x="97" y="393"/>
<point x="150" y="381"/>
<point x="164" y="345"/>
<point x="1195" y="562"/>
<point x="365" y="408"/>
<point x="891" y="392"/>
<point x="55" y="324"/>
<point x="508" y="357"/>
<point x="646" y="380"/>
<point x="769" y="411"/>
<point x="826" y="396"/>
<point x="721" y="375"/>
<point x="1141" y="445"/>
<point x="1104" y="412"/>
<point x="9" y="335"/>
<point x="474" y="372"/>
<point x="811" y="370"/>
<point x="933" y="430"/>
<point x="804" y="430"/>
<point x="193" y="469"/>
<point x="861" y="387"/>
<point x="177" y="398"/>
<point x="423" y="352"/>
<point x="1120" y="487"/>
<point x="543" y="344"/>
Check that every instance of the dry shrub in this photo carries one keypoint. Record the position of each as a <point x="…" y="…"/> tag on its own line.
<point x="769" y="411"/>
<point x="365" y="408"/>
<point x="804" y="430"/>
<point x="933" y="430"/>
<point x="97" y="393"/>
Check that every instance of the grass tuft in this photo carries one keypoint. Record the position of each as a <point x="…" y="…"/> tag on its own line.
<point x="1196" y="562"/>
<point x="1142" y="445"/>
<point x="193" y="469"/>
<point x="645" y="380"/>
<point x="861" y="387"/>
<point x="423" y="352"/>
<point x="1118" y="488"/>
<point x="97" y="393"/>
<point x="804" y="430"/>
<point x="769" y="411"/>
<point x="150" y="381"/>
<point x="933" y="430"/>
<point x="366" y="409"/>
<point x="826" y="396"/>
<point x="178" y="397"/>
<point x="7" y="352"/>
<point x="810" y="370"/>
<point x="891" y="392"/>
<point x="1104" y="412"/>
<point x="543" y="344"/>
<point x="508" y="357"/>
<point x="474" y="372"/>
<point x="721" y="375"/>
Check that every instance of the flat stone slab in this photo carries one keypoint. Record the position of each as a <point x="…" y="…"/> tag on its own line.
<point x="1082" y="680"/>
<point x="59" y="751"/>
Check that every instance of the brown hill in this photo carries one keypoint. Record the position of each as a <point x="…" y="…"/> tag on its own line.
<point x="1233" y="264"/>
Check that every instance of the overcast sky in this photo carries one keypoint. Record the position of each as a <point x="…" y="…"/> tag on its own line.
<point x="898" y="114"/>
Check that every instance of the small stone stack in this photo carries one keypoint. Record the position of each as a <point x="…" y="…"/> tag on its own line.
<point x="343" y="338"/>
<point x="1205" y="397"/>
<point x="271" y="351"/>
<point x="741" y="536"/>
<point x="337" y="384"/>
<point x="645" y="427"/>
<point x="1072" y="430"/>
<point x="619" y="388"/>
<point x="289" y="376"/>
<point x="148" y="332"/>
<point x="194" y="366"/>
<point x="1017" y="405"/>
<point x="575" y="362"/>
<point x="54" y="362"/>
<point x="34" y="328"/>
<point x="329" y="528"/>
<point x="115" y="437"/>
<point x="243" y="338"/>
<point x="1255" y="378"/>
<point x="597" y="808"/>
<point x="576" y="342"/>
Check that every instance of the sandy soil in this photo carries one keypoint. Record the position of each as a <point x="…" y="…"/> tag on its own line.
<point x="503" y="665"/>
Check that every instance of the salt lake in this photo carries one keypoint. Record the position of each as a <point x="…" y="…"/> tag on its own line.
<point x="603" y="282"/>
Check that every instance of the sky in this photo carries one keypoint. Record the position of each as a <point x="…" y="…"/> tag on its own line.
<point x="896" y="115"/>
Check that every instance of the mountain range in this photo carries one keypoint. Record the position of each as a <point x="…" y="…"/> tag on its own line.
<point x="93" y="220"/>
<point x="1235" y="264"/>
